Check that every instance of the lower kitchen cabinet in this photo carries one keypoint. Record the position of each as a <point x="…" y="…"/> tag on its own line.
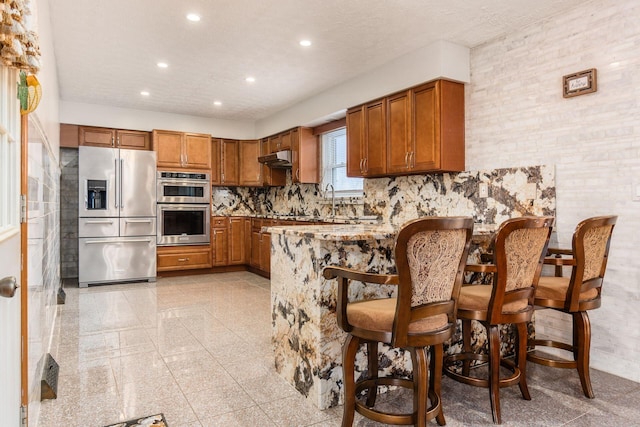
<point x="236" y="241"/>
<point x="219" y="241"/>
<point x="172" y="258"/>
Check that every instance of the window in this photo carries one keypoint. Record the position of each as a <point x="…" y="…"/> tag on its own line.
<point x="9" y="152"/>
<point x="334" y="156"/>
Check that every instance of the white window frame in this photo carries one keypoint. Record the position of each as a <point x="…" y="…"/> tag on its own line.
<point x="329" y="165"/>
<point x="9" y="153"/>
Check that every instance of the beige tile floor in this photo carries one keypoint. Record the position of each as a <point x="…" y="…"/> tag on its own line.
<point x="197" y="348"/>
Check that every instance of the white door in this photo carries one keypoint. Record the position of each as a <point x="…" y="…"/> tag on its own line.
<point x="10" y="334"/>
<point x="10" y="308"/>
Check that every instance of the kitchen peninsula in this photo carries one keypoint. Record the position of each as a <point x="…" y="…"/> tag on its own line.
<point x="306" y="338"/>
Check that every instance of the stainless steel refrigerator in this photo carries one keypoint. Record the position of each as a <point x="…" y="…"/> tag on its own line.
<point x="116" y="215"/>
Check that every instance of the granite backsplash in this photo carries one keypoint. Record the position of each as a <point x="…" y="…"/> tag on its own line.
<point x="511" y="192"/>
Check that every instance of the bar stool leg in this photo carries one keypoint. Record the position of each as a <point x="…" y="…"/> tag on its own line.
<point x="521" y="359"/>
<point x="466" y="345"/>
<point x="436" y="378"/>
<point x="349" y="351"/>
<point x="581" y="349"/>
<point x="494" y="371"/>
<point x="372" y="359"/>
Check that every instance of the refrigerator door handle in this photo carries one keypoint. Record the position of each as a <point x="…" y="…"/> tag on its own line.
<point x="86" y="194"/>
<point x="137" y="221"/>
<point x="115" y="165"/>
<point x="104" y="221"/>
<point x="120" y="190"/>
<point x="99" y="242"/>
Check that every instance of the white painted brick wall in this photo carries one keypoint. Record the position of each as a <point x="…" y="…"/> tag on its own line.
<point x="516" y="116"/>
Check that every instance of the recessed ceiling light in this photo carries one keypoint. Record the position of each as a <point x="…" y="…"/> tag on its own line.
<point x="305" y="43"/>
<point x="217" y="103"/>
<point x="193" y="17"/>
<point x="250" y="79"/>
<point x="144" y="93"/>
<point x="162" y="65"/>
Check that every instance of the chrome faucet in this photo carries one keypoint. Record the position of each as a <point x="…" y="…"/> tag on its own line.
<point x="333" y="198"/>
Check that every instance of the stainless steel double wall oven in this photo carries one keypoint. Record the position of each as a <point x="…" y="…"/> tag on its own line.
<point x="183" y="208"/>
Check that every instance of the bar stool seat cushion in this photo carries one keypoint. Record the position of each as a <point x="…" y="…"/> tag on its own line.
<point x="476" y="297"/>
<point x="555" y="288"/>
<point x="379" y="314"/>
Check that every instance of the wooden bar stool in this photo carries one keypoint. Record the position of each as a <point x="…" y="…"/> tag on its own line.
<point x="520" y="245"/>
<point x="430" y="255"/>
<point x="577" y="294"/>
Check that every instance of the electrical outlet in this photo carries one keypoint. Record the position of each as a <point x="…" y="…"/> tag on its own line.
<point x="483" y="190"/>
<point x="531" y="191"/>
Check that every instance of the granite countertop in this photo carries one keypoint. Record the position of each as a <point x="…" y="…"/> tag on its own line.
<point x="359" y="231"/>
<point x="339" y="219"/>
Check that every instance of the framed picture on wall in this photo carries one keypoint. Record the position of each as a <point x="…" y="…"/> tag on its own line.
<point x="579" y="83"/>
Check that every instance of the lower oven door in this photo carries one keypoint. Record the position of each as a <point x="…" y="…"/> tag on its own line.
<point x="183" y="224"/>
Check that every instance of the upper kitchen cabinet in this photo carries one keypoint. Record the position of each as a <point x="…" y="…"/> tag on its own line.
<point x="366" y="140"/>
<point x="113" y="138"/>
<point x="304" y="156"/>
<point x="418" y="130"/>
<point x="271" y="177"/>
<point x="251" y="170"/>
<point x="438" y="105"/>
<point x="69" y="135"/>
<point x="229" y="171"/>
<point x="179" y="150"/>
<point x="435" y="141"/>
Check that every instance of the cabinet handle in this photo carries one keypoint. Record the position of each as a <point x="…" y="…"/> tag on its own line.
<point x="112" y="141"/>
<point x="406" y="159"/>
<point x="413" y="159"/>
<point x="298" y="174"/>
<point x="118" y="142"/>
<point x="183" y="259"/>
<point x="361" y="170"/>
<point x="366" y="167"/>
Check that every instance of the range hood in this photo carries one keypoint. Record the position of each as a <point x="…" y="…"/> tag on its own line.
<point x="279" y="159"/>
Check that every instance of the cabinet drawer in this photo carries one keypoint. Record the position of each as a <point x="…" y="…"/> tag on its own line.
<point x="183" y="259"/>
<point x="218" y="222"/>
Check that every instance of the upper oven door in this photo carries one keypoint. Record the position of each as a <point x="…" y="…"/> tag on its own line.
<point x="183" y="191"/>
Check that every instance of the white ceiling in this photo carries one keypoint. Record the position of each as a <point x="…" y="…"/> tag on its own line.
<point x="107" y="50"/>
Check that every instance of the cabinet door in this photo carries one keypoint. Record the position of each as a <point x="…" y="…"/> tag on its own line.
<point x="256" y="248"/>
<point x="132" y="139"/>
<point x="305" y="155"/>
<point x="274" y="143"/>
<point x="97" y="137"/>
<point x="236" y="241"/>
<point x="172" y="258"/>
<point x="168" y="147"/>
<point x="265" y="252"/>
<point x="375" y="146"/>
<point x="399" y="132"/>
<point x="355" y="141"/>
<point x="285" y="140"/>
<point x="229" y="173"/>
<point x="251" y="170"/>
<point x="216" y="146"/>
<point x="220" y="246"/>
<point x="197" y="151"/>
<point x="425" y="132"/>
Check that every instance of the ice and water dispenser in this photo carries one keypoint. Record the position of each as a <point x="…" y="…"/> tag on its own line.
<point x="96" y="194"/>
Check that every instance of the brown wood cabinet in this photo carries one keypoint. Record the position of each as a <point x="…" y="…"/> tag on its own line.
<point x="220" y="241"/>
<point x="250" y="168"/>
<point x="305" y="156"/>
<point x="216" y="164"/>
<point x="229" y="173"/>
<point x="366" y="140"/>
<point x="418" y="130"/>
<point x="236" y="241"/>
<point x="113" y="138"/>
<point x="180" y="150"/>
<point x="69" y="135"/>
<point x="172" y="258"/>
<point x="271" y="177"/>
<point x="256" y="225"/>
<point x="285" y="141"/>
